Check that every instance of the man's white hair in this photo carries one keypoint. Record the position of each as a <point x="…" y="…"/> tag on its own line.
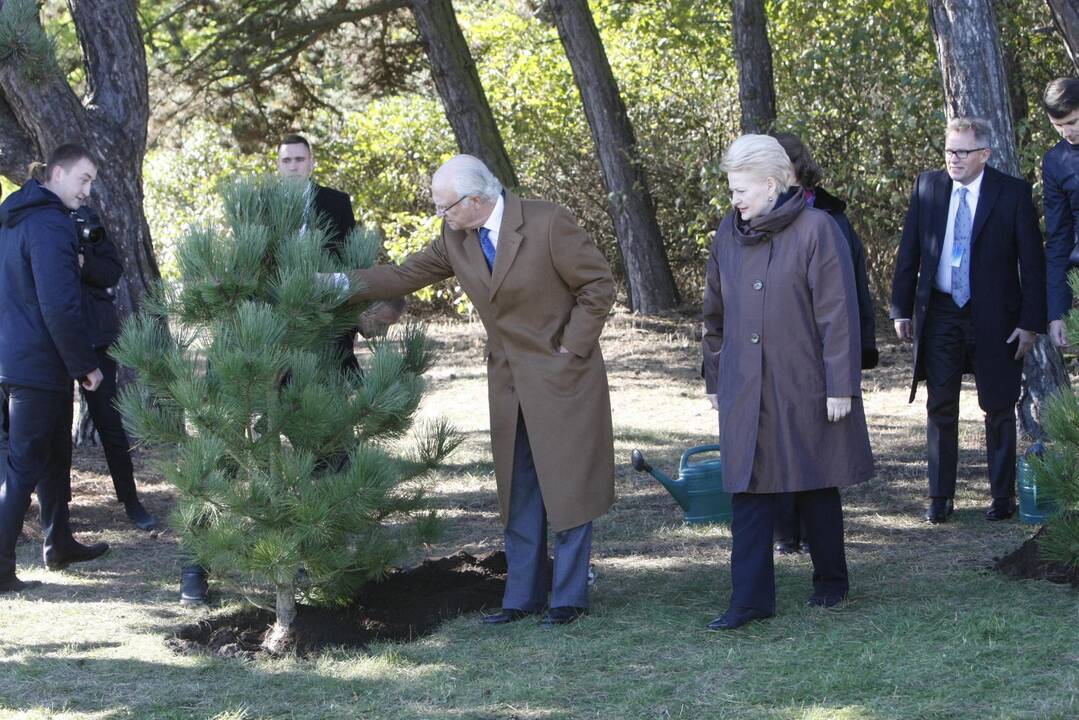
<point x="468" y="176"/>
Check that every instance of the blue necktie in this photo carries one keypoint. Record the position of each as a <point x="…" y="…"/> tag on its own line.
<point x="488" y="247"/>
<point x="961" y="250"/>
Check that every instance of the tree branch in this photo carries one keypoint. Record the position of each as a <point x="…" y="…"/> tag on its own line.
<point x="17" y="149"/>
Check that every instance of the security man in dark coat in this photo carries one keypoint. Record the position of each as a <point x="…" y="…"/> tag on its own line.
<point x="970" y="273"/>
<point x="100" y="270"/>
<point x="44" y="344"/>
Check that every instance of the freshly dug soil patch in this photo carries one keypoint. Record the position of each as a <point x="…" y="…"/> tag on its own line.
<point x="405" y="605"/>
<point x="1026" y="564"/>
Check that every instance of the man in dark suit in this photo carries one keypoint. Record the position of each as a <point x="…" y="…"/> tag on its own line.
<point x="971" y="273"/>
<point x="1060" y="191"/>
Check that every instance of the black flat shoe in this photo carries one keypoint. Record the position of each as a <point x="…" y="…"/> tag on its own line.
<point x="194" y="585"/>
<point x="506" y="615"/>
<point x="1001" y="509"/>
<point x="15" y="585"/>
<point x="139" y="516"/>
<point x="825" y="601"/>
<point x="562" y="616"/>
<point x="786" y="547"/>
<point x="75" y="553"/>
<point x="737" y="617"/>
<point x="939" y="510"/>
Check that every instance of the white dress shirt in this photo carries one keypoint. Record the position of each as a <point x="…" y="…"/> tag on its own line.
<point x="943" y="281"/>
<point x="494" y="221"/>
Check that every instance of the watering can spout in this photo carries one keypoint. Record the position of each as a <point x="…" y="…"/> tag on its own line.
<point x="677" y="488"/>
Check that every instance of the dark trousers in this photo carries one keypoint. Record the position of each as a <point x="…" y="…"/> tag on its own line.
<point x="344" y="345"/>
<point x="788" y="522"/>
<point x="949" y="347"/>
<point x="753" y="583"/>
<point x="527" y="579"/>
<point x="36" y="450"/>
<point x="110" y="428"/>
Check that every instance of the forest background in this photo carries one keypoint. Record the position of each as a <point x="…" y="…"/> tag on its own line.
<point x="857" y="79"/>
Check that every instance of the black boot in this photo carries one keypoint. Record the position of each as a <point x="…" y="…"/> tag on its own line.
<point x="13" y="584"/>
<point x="193" y="585"/>
<point x="74" y="552"/>
<point x="138" y="515"/>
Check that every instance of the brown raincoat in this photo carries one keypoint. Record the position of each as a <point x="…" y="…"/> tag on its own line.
<point x="781" y="336"/>
<point x="550" y="286"/>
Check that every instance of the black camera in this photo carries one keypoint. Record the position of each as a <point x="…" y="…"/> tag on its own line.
<point x="87" y="227"/>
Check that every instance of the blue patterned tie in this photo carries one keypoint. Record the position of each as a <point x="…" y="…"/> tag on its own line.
<point x="961" y="249"/>
<point x="488" y="247"/>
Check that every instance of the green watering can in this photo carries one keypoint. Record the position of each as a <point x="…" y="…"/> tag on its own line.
<point x="699" y="487"/>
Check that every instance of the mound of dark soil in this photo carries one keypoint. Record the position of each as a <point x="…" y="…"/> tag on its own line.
<point x="403" y="606"/>
<point x="1026" y="564"/>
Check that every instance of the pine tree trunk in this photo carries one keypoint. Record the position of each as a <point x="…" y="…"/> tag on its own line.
<point x="648" y="273"/>
<point x="36" y="117"/>
<point x="459" y="86"/>
<point x="1066" y="17"/>
<point x="975" y="84"/>
<point x="281" y="635"/>
<point x="753" y="58"/>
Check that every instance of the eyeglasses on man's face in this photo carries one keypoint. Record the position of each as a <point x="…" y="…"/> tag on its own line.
<point x="441" y="210"/>
<point x="961" y="154"/>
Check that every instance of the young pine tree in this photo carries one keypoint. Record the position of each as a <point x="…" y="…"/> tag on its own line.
<point x="281" y="462"/>
<point x="1057" y="471"/>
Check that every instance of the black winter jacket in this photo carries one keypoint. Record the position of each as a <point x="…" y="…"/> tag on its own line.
<point x="101" y="270"/>
<point x="44" y="342"/>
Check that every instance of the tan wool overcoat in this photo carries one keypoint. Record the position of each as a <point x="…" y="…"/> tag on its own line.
<point x="780" y="337"/>
<point x="550" y="286"/>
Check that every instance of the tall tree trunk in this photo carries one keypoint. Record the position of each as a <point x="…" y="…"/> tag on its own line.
<point x="459" y="86"/>
<point x="648" y="273"/>
<point x="39" y="113"/>
<point x="1066" y="17"/>
<point x="281" y="636"/>
<point x="753" y="58"/>
<point x="975" y="84"/>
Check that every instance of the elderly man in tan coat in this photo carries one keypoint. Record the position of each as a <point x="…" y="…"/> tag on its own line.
<point x="543" y="292"/>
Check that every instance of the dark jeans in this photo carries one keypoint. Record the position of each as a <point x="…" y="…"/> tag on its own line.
<point x="752" y="569"/>
<point x="36" y="450"/>
<point x="110" y="428"/>
<point x="949" y="347"/>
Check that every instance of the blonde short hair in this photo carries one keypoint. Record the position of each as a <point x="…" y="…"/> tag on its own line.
<point x="762" y="156"/>
<point x="983" y="131"/>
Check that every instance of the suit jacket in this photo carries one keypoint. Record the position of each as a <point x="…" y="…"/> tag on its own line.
<point x="333" y="211"/>
<point x="1060" y="192"/>
<point x="1007" y="275"/>
<point x="550" y="286"/>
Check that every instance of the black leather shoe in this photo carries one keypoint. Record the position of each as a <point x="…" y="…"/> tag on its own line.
<point x="505" y="615"/>
<point x="786" y="547"/>
<point x="13" y="584"/>
<point x="1001" y="509"/>
<point x="193" y="585"/>
<point x="825" y="601"/>
<point x="939" y="510"/>
<point x="138" y="515"/>
<point x="736" y="618"/>
<point x="562" y="615"/>
<point x="75" y="552"/>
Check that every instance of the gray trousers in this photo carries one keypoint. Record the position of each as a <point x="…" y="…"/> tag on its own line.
<point x="527" y="580"/>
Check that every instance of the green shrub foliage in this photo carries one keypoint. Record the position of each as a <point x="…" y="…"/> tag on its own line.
<point x="281" y="461"/>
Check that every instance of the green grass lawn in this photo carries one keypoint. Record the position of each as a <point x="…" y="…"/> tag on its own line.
<point x="928" y="632"/>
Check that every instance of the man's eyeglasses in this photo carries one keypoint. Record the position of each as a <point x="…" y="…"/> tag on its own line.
<point x="441" y="210"/>
<point x="961" y="154"/>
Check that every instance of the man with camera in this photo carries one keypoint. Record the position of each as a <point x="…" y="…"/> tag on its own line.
<point x="44" y="344"/>
<point x="100" y="269"/>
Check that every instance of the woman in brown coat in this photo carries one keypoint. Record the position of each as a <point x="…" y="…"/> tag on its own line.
<point x="782" y="363"/>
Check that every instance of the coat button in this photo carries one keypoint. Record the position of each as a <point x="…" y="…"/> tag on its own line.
<point x="758" y="284"/>
<point x="754" y="338"/>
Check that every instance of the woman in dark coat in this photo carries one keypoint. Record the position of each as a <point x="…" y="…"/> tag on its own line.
<point x="789" y="534"/>
<point x="782" y="365"/>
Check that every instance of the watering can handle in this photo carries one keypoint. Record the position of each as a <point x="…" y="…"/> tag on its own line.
<point x="693" y="451"/>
